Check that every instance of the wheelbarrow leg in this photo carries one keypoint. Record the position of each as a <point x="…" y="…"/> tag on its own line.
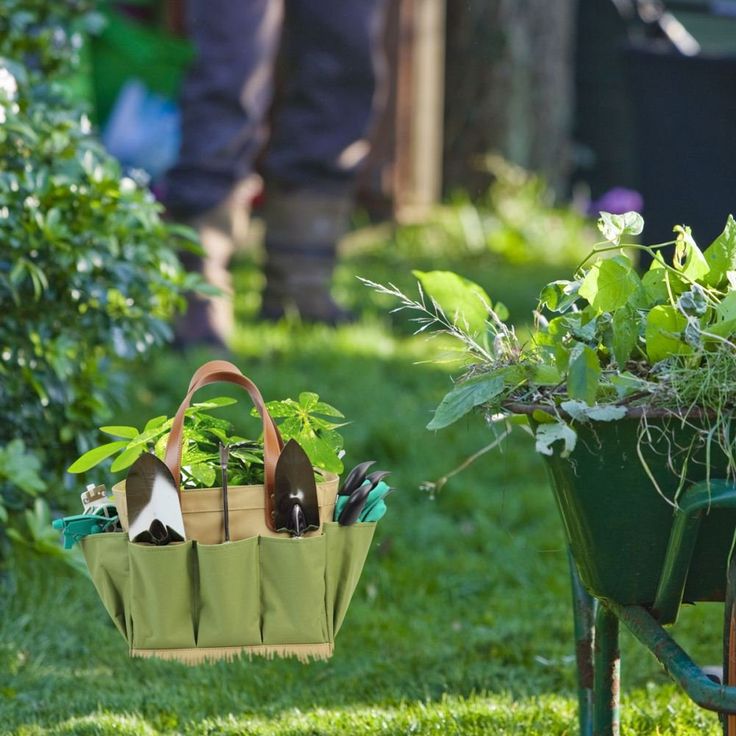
<point x="583" y="606"/>
<point x="729" y="641"/>
<point x="607" y="668"/>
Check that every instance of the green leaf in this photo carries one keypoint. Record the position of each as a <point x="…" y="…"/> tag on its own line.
<point x="663" y="333"/>
<point x="583" y="374"/>
<point x="688" y="257"/>
<point x="613" y="227"/>
<point x="155" y="423"/>
<point x="547" y="434"/>
<point x="627" y="383"/>
<point x="126" y="458"/>
<point x="720" y="255"/>
<point x="204" y="474"/>
<point x="581" y="412"/>
<point x="21" y="468"/>
<point x="559" y="296"/>
<point x="726" y="308"/>
<point x="215" y="403"/>
<point x="463" y="301"/>
<point x="610" y="284"/>
<point x="120" y="431"/>
<point x="464" y="397"/>
<point x="502" y="311"/>
<point x="625" y="335"/>
<point x="545" y="375"/>
<point x="95" y="456"/>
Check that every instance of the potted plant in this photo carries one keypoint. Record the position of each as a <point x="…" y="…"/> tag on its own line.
<point x="307" y="420"/>
<point x="628" y="382"/>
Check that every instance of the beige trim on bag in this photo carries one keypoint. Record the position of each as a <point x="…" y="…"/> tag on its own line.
<point x="303" y="652"/>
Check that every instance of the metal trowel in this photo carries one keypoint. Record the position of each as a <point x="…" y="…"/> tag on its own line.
<point x="154" y="509"/>
<point x="296" y="507"/>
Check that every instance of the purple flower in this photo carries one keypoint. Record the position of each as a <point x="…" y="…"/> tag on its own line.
<point x="617" y="201"/>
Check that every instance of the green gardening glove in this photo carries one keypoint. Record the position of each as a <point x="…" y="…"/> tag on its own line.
<point x="375" y="506"/>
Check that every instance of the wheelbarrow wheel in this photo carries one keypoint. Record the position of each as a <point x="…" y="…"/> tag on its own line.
<point x="729" y="643"/>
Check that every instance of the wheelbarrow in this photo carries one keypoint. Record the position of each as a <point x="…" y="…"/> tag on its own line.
<point x="643" y="541"/>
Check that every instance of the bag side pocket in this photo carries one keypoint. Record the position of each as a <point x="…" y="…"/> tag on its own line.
<point x="346" y="551"/>
<point x="161" y="595"/>
<point x="229" y="601"/>
<point x="293" y="590"/>
<point x="107" y="560"/>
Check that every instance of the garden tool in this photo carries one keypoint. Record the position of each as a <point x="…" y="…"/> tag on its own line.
<point x="295" y="503"/>
<point x="364" y="503"/>
<point x="375" y="505"/>
<point x="224" y="457"/>
<point x="355" y="478"/>
<point x="154" y="510"/>
<point x="75" y="528"/>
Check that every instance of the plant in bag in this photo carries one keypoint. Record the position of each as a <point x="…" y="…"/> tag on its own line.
<point x="301" y="420"/>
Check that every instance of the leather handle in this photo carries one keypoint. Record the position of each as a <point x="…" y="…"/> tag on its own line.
<point x="217" y="371"/>
<point x="210" y="367"/>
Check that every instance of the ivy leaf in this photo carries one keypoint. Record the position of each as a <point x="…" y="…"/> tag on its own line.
<point x="610" y="284"/>
<point x="547" y="434"/>
<point x="625" y="335"/>
<point x="627" y="383"/>
<point x="720" y="255"/>
<point x="688" y="257"/>
<point x="663" y="333"/>
<point x="581" y="412"/>
<point x="464" y="397"/>
<point x="463" y="301"/>
<point x="613" y="227"/>
<point x="545" y="375"/>
<point x="559" y="296"/>
<point x="583" y="374"/>
<point x="95" y="456"/>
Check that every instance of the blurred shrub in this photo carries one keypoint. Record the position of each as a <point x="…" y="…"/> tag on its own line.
<point x="88" y="274"/>
<point x="46" y="35"/>
<point x="516" y="220"/>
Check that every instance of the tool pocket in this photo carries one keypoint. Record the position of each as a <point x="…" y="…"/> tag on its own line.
<point x="107" y="559"/>
<point x="229" y="603"/>
<point x="161" y="595"/>
<point x="293" y="590"/>
<point x="346" y="551"/>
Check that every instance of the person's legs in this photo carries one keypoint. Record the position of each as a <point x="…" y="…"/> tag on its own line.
<point x="224" y="101"/>
<point x="224" y="104"/>
<point x="317" y="144"/>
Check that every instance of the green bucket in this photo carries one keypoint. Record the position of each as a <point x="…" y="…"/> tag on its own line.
<point x="617" y="523"/>
<point x="129" y="50"/>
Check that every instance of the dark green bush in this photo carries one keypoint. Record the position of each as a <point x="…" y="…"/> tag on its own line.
<point x="88" y="272"/>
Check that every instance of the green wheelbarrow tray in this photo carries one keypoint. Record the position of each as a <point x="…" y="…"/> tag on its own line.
<point x="638" y="552"/>
<point x="620" y="527"/>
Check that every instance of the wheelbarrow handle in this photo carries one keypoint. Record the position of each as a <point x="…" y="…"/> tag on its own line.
<point x="694" y="502"/>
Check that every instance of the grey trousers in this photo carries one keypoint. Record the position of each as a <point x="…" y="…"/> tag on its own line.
<point x="317" y="138"/>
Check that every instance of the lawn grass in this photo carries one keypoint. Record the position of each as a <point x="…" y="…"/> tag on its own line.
<point x="461" y="623"/>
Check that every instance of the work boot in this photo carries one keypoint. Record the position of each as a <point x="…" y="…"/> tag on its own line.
<point x="209" y="319"/>
<point x="303" y="229"/>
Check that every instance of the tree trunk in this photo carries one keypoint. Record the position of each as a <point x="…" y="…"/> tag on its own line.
<point x="509" y="88"/>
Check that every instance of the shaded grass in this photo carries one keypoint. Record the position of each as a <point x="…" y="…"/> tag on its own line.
<point x="461" y="623"/>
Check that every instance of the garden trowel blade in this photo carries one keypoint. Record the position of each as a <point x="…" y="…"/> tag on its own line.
<point x="154" y="509"/>
<point x="295" y="485"/>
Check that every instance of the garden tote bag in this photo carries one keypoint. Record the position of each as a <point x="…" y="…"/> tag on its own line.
<point x="263" y="593"/>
